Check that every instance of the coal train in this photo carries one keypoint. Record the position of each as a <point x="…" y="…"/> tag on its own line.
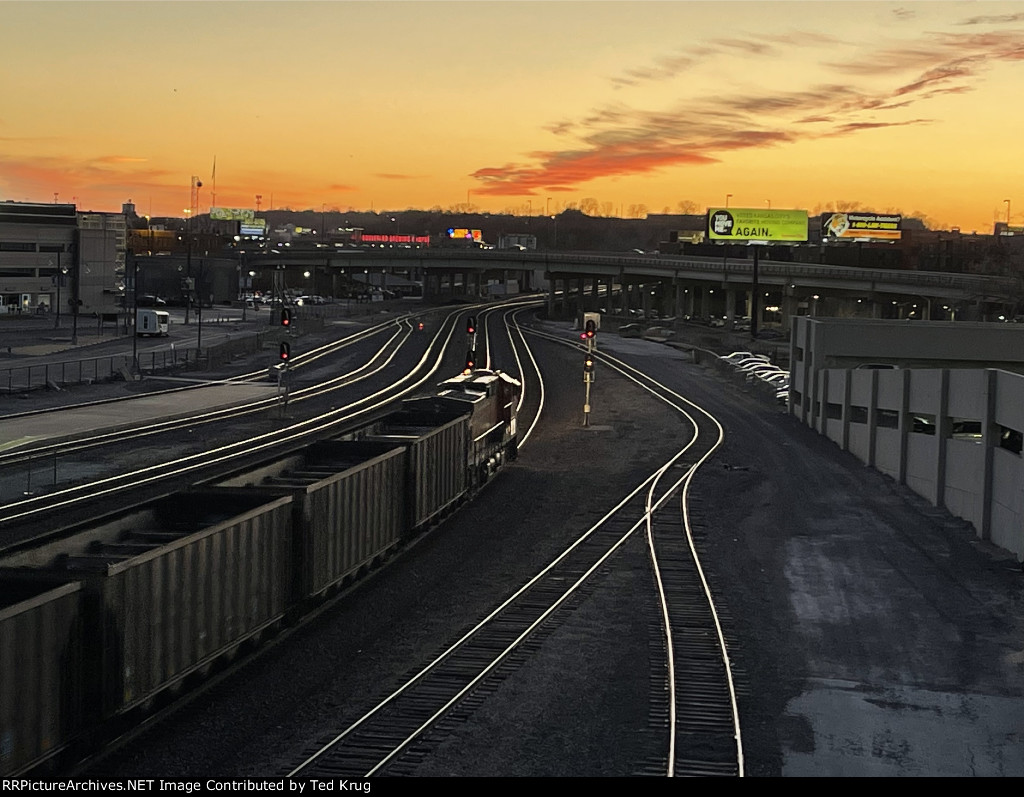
<point x="123" y="612"/>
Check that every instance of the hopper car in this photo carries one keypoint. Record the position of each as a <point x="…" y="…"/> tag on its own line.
<point x="124" y="611"/>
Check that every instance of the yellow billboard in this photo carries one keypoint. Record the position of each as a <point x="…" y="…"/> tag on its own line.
<point x="756" y="224"/>
<point x="233" y="214"/>
<point x="861" y="225"/>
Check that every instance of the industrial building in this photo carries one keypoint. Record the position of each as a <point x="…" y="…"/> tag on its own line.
<point x="937" y="406"/>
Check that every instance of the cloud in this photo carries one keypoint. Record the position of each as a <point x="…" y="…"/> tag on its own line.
<point x="391" y="176"/>
<point x="856" y="127"/>
<point x="666" y="67"/>
<point x="617" y="140"/>
<point x="102" y="182"/>
<point x="340" y="187"/>
<point x="115" y="159"/>
<point x="994" y="19"/>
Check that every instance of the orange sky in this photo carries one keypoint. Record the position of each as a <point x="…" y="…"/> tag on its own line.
<point x="517" y="106"/>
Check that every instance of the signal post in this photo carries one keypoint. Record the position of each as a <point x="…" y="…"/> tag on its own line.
<point x="470" y="345"/>
<point x="284" y="356"/>
<point x="589" y="335"/>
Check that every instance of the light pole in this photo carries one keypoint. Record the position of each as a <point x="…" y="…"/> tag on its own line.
<point x="193" y="207"/>
<point x="135" y="311"/>
<point x="188" y="263"/>
<point x="769" y="204"/>
<point x="1007" y="201"/>
<point x="59" y="277"/>
<point x="199" y="311"/>
<point x="727" y="198"/>
<point x="241" y="275"/>
<point x="74" y="304"/>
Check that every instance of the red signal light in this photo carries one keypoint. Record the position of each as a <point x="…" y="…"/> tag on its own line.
<point x="419" y="326"/>
<point x="286" y="317"/>
<point x="286" y="350"/>
<point x="591" y="329"/>
<point x="470" y="325"/>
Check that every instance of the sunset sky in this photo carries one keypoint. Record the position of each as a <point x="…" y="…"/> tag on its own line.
<point x="517" y="106"/>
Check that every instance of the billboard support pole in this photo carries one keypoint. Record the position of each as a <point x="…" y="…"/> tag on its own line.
<point x="754" y="297"/>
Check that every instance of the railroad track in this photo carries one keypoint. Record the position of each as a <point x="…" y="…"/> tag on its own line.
<point x="699" y="713"/>
<point x="33" y="512"/>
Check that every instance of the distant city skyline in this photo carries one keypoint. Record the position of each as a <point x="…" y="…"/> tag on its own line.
<point x="522" y="107"/>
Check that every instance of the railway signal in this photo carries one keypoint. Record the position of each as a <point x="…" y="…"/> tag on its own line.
<point x="286" y="351"/>
<point x="591" y="329"/>
<point x="419" y="326"/>
<point x="471" y="325"/>
<point x="470" y="361"/>
<point x="286" y="317"/>
<point x="588" y="377"/>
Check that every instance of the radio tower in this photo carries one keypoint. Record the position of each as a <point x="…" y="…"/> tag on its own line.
<point x="259" y="198"/>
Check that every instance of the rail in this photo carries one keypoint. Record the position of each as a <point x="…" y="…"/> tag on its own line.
<point x="38" y="376"/>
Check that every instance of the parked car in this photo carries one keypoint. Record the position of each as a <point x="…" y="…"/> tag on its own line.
<point x="761" y="373"/>
<point x="149" y="300"/>
<point x="781" y="379"/>
<point x="746" y="365"/>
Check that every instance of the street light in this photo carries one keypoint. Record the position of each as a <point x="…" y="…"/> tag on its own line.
<point x="727" y="198"/>
<point x="135" y="311"/>
<point x="193" y="207"/>
<point x="188" y="262"/>
<point x="59" y="279"/>
<point x="1007" y="201"/>
<point x="74" y="304"/>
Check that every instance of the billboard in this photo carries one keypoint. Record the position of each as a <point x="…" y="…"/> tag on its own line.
<point x="455" y="232"/>
<point x="233" y="214"/>
<point x="839" y="226"/>
<point x="257" y="228"/>
<point x="756" y="224"/>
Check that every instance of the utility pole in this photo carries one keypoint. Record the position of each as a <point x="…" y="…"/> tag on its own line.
<point x="192" y="210"/>
<point x="135" y="311"/>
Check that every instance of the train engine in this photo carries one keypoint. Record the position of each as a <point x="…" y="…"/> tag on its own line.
<point x="491" y="398"/>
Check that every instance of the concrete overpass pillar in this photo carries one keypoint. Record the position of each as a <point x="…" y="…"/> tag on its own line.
<point x="788" y="308"/>
<point x="551" y="295"/>
<point x="730" y="306"/>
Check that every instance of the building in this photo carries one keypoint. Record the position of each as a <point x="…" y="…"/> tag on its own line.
<point x="937" y="406"/>
<point x="53" y="258"/>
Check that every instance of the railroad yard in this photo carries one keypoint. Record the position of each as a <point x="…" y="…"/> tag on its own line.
<point x="869" y="633"/>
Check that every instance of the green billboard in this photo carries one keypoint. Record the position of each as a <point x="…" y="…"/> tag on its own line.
<point x="756" y="224"/>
